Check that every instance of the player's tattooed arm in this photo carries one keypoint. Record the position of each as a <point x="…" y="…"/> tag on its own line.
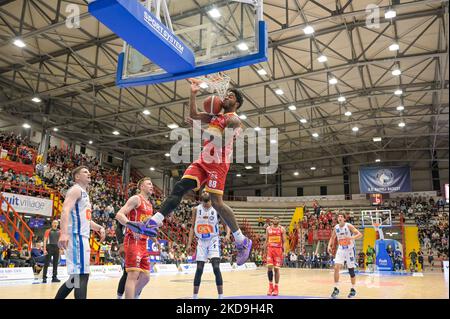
<point x="131" y="203"/>
<point x="191" y="230"/>
<point x="193" y="110"/>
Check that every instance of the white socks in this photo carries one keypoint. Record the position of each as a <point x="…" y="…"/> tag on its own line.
<point x="220" y="297"/>
<point x="195" y="296"/>
<point x="158" y="218"/>
<point x="119" y="296"/>
<point x="238" y="236"/>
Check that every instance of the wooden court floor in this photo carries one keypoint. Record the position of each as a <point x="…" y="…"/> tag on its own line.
<point x="294" y="283"/>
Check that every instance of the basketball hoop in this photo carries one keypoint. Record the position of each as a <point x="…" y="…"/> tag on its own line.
<point x="214" y="82"/>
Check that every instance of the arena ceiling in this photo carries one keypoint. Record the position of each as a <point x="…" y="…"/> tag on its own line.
<point x="73" y="72"/>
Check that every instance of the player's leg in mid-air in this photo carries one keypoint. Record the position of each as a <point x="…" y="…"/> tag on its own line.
<point x="194" y="177"/>
<point x="243" y="244"/>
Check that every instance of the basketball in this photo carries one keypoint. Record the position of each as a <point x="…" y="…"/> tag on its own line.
<point x="213" y="105"/>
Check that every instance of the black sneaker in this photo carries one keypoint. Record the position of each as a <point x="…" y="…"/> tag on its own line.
<point x="352" y="293"/>
<point x="335" y="293"/>
<point x="44" y="281"/>
<point x="56" y="280"/>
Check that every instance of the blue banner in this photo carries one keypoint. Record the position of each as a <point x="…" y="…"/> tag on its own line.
<point x="382" y="180"/>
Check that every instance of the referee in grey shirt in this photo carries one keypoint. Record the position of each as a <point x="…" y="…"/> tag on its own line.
<point x="51" y="249"/>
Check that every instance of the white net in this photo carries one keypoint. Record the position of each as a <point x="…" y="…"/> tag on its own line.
<point x="215" y="83"/>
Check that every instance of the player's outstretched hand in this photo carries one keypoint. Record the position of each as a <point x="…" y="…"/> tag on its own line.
<point x="195" y="85"/>
<point x="142" y="228"/>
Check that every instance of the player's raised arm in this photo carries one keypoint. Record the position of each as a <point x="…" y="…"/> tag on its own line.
<point x="72" y="196"/>
<point x="193" y="112"/>
<point x="356" y="233"/>
<point x="332" y="239"/>
<point x="191" y="230"/>
<point x="131" y="204"/>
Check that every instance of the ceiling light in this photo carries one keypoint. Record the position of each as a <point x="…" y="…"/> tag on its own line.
<point x="390" y="14"/>
<point x="292" y="107"/>
<point x="55" y="129"/>
<point x="296" y="173"/>
<point x="348" y="113"/>
<point x="394" y="47"/>
<point x="116" y="133"/>
<point x="355" y="129"/>
<point x="152" y="168"/>
<point x="342" y="99"/>
<point x="402" y="124"/>
<point x="214" y="13"/>
<point x="90" y="142"/>
<point x="333" y="81"/>
<point x="172" y="126"/>
<point x="313" y="168"/>
<point x="400" y="108"/>
<point x="243" y="46"/>
<point x="279" y="91"/>
<point x="303" y="121"/>
<point x="396" y="72"/>
<point x="19" y="43"/>
<point x="243" y="117"/>
<point x="262" y="72"/>
<point x="257" y="129"/>
<point x="377" y="139"/>
<point x="273" y="141"/>
<point x="36" y="99"/>
<point x="26" y="125"/>
<point x="248" y="167"/>
<point x="398" y="92"/>
<point x="167" y="155"/>
<point x="322" y="59"/>
<point x="315" y="134"/>
<point x="377" y="160"/>
<point x="146" y="112"/>
<point x="238" y="175"/>
<point x="308" y="30"/>
<point x="203" y="85"/>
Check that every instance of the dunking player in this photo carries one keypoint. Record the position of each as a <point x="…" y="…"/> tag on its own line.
<point x="76" y="225"/>
<point x="274" y="245"/>
<point x="204" y="172"/>
<point x="346" y="235"/>
<point x="205" y="225"/>
<point x="137" y="264"/>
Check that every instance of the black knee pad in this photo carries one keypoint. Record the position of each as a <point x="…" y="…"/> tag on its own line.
<point x="199" y="273"/>
<point x="351" y="271"/>
<point x="270" y="274"/>
<point x="216" y="268"/>
<point x="183" y="186"/>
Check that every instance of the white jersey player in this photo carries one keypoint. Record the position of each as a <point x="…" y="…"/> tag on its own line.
<point x="205" y="226"/>
<point x="76" y="225"/>
<point x="346" y="234"/>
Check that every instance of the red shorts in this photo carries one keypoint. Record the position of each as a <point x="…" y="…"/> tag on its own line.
<point x="136" y="255"/>
<point x="275" y="257"/>
<point x="213" y="175"/>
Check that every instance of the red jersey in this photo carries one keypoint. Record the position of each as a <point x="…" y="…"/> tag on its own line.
<point x="275" y="237"/>
<point x="140" y="214"/>
<point x="217" y="125"/>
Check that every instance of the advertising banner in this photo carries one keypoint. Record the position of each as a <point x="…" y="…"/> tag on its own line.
<point x="382" y="180"/>
<point x="29" y="204"/>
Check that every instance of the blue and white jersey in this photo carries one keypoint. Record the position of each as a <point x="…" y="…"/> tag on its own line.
<point x="80" y="215"/>
<point x="206" y="223"/>
<point x="344" y="235"/>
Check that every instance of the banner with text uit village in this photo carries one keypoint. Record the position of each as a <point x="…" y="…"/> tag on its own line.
<point x="382" y="180"/>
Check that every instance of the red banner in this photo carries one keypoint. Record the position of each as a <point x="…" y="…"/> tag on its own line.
<point x="16" y="167"/>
